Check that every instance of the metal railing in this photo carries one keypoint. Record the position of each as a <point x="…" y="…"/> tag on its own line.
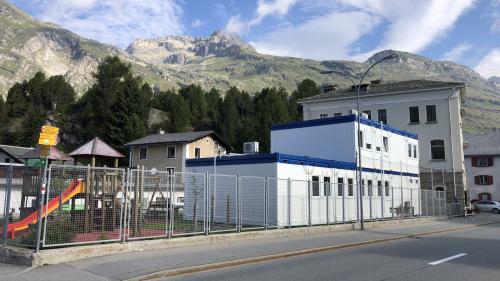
<point x="86" y="204"/>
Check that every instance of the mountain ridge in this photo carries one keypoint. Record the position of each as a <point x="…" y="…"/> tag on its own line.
<point x="220" y="60"/>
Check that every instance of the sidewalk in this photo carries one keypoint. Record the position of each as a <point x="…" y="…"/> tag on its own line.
<point x="129" y="265"/>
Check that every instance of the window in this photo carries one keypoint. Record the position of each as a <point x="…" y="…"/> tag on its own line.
<point x="363" y="187"/>
<point x="197" y="152"/>
<point x="350" y="187"/>
<point x="386" y="187"/>
<point x="337" y="114"/>
<point x="315" y="186"/>
<point x="483" y="180"/>
<point x="143" y="153"/>
<point x="409" y="150"/>
<point x="414" y="151"/>
<point x="326" y="187"/>
<point x="171" y="151"/>
<point x="180" y="199"/>
<point x="382" y="116"/>
<point x="414" y="115"/>
<point x="483" y="161"/>
<point x="379" y="188"/>
<point x="431" y="113"/>
<point x="360" y="139"/>
<point x="7" y="160"/>
<point x="437" y="150"/>
<point x="386" y="144"/>
<point x="369" y="113"/>
<point x="370" y="188"/>
<point x="170" y="171"/>
<point x="340" y="187"/>
<point x="377" y="148"/>
<point x="323" y="116"/>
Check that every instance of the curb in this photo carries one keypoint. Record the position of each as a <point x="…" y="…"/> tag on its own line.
<point x="252" y="260"/>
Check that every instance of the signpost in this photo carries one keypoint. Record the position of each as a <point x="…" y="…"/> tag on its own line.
<point x="48" y="137"/>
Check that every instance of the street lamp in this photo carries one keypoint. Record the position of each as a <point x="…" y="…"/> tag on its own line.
<point x="358" y="89"/>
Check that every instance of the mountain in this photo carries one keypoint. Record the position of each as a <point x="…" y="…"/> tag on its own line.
<point x="220" y="60"/>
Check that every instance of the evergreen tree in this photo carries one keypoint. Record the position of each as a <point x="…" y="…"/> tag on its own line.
<point x="4" y="118"/>
<point x="306" y="88"/>
<point x="17" y="101"/>
<point x="31" y="124"/>
<point x="58" y="95"/>
<point x="195" y="97"/>
<point x="214" y="102"/>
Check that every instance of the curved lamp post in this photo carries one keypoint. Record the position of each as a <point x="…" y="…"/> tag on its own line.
<point x="358" y="89"/>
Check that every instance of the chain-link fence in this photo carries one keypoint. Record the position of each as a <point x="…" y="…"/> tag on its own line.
<point x="84" y="204"/>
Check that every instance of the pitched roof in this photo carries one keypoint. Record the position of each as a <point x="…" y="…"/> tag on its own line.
<point x="96" y="147"/>
<point x="483" y="144"/>
<point x="396" y="87"/>
<point x="15" y="151"/>
<point x="184" y="137"/>
<point x="54" y="154"/>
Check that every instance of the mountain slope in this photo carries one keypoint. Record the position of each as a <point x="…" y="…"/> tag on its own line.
<point x="220" y="60"/>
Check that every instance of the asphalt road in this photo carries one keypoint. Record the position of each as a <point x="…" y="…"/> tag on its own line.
<point x="472" y="254"/>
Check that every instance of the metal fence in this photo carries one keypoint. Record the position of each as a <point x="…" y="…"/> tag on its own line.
<point x="84" y="204"/>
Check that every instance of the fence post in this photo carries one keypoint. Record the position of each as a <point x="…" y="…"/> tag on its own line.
<point x="207" y="203"/>
<point x="170" y="215"/>
<point x="40" y="207"/>
<point x="266" y="202"/>
<point x="411" y="202"/>
<point x="125" y="206"/>
<point x="392" y="200"/>
<point x="328" y="195"/>
<point x="433" y="197"/>
<point x="343" y="202"/>
<point x="6" y="213"/>
<point x="289" y="195"/>
<point x="309" y="199"/>
<point x="238" y="203"/>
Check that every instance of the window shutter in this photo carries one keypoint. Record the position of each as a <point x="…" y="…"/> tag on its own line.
<point x="473" y="161"/>
<point x="490" y="161"/>
<point x="490" y="179"/>
<point x="476" y="179"/>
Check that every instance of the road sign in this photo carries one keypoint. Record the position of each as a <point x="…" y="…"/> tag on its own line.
<point x="50" y="130"/>
<point x="44" y="151"/>
<point x="35" y="163"/>
<point x="48" y="135"/>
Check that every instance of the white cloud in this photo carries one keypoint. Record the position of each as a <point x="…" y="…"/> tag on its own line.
<point x="406" y="25"/>
<point x="495" y="15"/>
<point x="117" y="22"/>
<point x="457" y="52"/>
<point x="324" y="37"/>
<point x="264" y="9"/>
<point x="489" y="65"/>
<point x="197" y="23"/>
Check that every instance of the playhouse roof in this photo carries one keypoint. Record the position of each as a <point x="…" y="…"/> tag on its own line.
<point x="96" y="147"/>
<point x="54" y="154"/>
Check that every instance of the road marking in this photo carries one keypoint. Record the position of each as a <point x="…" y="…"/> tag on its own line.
<point x="448" y="259"/>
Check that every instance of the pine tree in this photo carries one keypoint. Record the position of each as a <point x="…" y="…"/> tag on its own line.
<point x="306" y="88"/>
<point x="195" y="97"/>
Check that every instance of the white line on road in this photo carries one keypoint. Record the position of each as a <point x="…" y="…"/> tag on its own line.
<point x="448" y="259"/>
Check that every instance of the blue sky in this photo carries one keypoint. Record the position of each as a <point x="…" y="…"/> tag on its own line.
<point x="464" y="31"/>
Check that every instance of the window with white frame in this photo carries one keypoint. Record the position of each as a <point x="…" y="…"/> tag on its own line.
<point x="370" y="188"/>
<point x="382" y="116"/>
<point x="171" y="151"/>
<point x="386" y="143"/>
<point x="363" y="187"/>
<point x="337" y="114"/>
<point x="143" y="153"/>
<point x="415" y="151"/>
<point x="387" y="188"/>
<point x="483" y="162"/>
<point x="323" y="115"/>
<point x="379" y="188"/>
<point x="170" y="171"/>
<point x="409" y="150"/>
<point x="340" y="187"/>
<point x="350" y="187"/>
<point x="326" y="186"/>
<point x="360" y="139"/>
<point x="197" y="152"/>
<point x="368" y="113"/>
<point x="315" y="186"/>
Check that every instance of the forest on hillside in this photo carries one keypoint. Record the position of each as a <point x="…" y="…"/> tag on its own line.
<point x="116" y="108"/>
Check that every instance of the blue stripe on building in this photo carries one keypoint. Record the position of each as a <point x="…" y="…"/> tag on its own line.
<point x="342" y="119"/>
<point x="286" y="159"/>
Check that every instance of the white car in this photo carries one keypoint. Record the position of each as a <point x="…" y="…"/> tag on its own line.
<point x="488" y="206"/>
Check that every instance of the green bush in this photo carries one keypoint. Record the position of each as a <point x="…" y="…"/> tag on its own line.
<point x="59" y="230"/>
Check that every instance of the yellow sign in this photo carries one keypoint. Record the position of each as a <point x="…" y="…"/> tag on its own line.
<point x="44" y="151"/>
<point x="48" y="135"/>
<point x="50" y="130"/>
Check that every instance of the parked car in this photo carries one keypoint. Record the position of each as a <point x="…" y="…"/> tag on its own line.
<point x="488" y="206"/>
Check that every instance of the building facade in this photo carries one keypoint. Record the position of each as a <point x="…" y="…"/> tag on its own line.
<point x="12" y="154"/>
<point x="170" y="151"/>
<point x="482" y="163"/>
<point x="431" y="109"/>
<point x="316" y="159"/>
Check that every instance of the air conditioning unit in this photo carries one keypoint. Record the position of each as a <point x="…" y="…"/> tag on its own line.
<point x="250" y="147"/>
